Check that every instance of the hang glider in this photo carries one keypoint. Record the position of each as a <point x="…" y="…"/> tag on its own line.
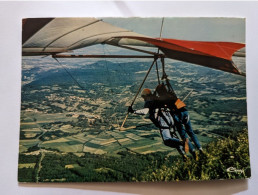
<point x="52" y="36"/>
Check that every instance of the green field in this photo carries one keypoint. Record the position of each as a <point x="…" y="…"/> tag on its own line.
<point x="75" y="135"/>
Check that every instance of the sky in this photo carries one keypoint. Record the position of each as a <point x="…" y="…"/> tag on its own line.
<point x="184" y="28"/>
<point x="187" y="28"/>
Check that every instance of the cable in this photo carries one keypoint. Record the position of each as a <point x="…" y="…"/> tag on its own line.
<point x="122" y="68"/>
<point x="70" y="74"/>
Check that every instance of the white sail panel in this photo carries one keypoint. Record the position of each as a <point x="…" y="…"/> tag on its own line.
<point x="63" y="34"/>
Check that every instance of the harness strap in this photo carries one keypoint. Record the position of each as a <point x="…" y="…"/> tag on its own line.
<point x="164" y="118"/>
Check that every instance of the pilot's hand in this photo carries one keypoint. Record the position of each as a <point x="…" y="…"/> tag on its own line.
<point x="130" y="109"/>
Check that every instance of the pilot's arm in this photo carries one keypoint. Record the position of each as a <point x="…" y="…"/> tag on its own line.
<point x="143" y="111"/>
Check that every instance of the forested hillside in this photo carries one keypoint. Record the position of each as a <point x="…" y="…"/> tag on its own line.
<point x="226" y="158"/>
<point x="70" y="123"/>
<point x="223" y="159"/>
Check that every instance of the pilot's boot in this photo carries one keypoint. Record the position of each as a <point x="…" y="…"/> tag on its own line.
<point x="186" y="145"/>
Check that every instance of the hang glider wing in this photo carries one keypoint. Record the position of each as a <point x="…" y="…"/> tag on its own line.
<point x="48" y="36"/>
<point x="217" y="55"/>
<point x="44" y="36"/>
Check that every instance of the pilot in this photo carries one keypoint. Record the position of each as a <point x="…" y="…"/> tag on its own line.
<point x="181" y="116"/>
<point x="160" y="115"/>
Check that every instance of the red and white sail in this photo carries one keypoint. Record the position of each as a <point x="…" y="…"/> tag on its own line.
<point x="47" y="36"/>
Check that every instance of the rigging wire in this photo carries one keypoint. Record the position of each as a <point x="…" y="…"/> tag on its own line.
<point x="70" y="74"/>
<point x="141" y="125"/>
<point x="128" y="149"/>
<point x="121" y="67"/>
<point x="154" y="62"/>
<point x="155" y="59"/>
<point x="111" y="91"/>
<point x="160" y="34"/>
<point x="108" y="72"/>
<point x="120" y="78"/>
<point x="157" y="70"/>
<point x="161" y="29"/>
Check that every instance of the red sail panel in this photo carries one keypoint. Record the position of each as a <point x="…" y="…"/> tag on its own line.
<point x="223" y="50"/>
<point x="217" y="55"/>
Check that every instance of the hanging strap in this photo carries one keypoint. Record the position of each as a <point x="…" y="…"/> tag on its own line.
<point x="157" y="70"/>
<point x="164" y="76"/>
<point x="173" y="133"/>
<point x="160" y="113"/>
